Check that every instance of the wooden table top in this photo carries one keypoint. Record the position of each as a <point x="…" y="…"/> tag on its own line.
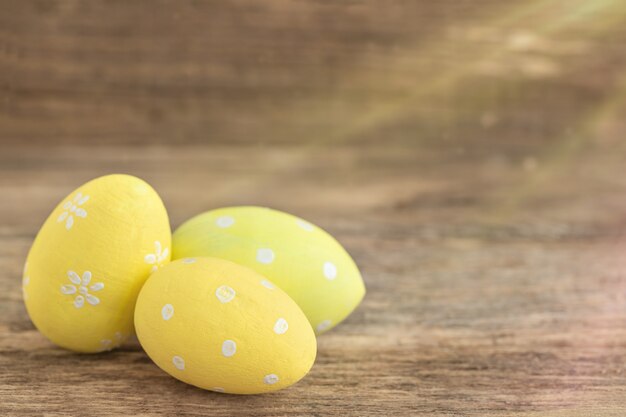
<point x="469" y="155"/>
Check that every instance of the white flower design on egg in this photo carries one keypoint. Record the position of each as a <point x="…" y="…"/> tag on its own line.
<point x="79" y="286"/>
<point x="71" y="209"/>
<point x="108" y="344"/>
<point x="156" y="259"/>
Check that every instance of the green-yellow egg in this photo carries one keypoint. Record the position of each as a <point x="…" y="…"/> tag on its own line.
<point x="89" y="260"/>
<point x="223" y="327"/>
<point x="301" y="258"/>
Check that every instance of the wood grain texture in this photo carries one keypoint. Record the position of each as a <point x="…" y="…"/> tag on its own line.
<point x="468" y="154"/>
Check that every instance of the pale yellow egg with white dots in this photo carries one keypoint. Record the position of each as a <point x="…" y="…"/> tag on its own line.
<point x="217" y="325"/>
<point x="299" y="257"/>
<point x="89" y="260"/>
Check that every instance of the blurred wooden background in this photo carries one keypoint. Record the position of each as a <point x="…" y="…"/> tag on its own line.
<point x="469" y="154"/>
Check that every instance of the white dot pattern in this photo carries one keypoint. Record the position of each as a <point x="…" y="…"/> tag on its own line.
<point x="179" y="363"/>
<point x="304" y="225"/>
<point x="167" y="311"/>
<point x="229" y="348"/>
<point x="281" y="326"/>
<point x="324" y="325"/>
<point x="265" y="256"/>
<point x="189" y="260"/>
<point x="225" y="294"/>
<point x="224" y="221"/>
<point x="267" y="284"/>
<point x="330" y="270"/>
<point x="270" y="379"/>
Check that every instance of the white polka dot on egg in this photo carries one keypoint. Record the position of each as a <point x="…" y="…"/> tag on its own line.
<point x="229" y="348"/>
<point x="217" y="389"/>
<point x="224" y="221"/>
<point x="265" y="256"/>
<point x="304" y="225"/>
<point x="179" y="363"/>
<point x="225" y="294"/>
<point x="189" y="260"/>
<point x="270" y="379"/>
<point x="267" y="284"/>
<point x="330" y="270"/>
<point x="324" y="325"/>
<point x="281" y="326"/>
<point x="167" y="311"/>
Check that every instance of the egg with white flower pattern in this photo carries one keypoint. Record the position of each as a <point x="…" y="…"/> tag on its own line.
<point x="301" y="258"/>
<point x="90" y="259"/>
<point x="219" y="326"/>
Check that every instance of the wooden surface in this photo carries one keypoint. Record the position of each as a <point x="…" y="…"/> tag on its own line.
<point x="469" y="154"/>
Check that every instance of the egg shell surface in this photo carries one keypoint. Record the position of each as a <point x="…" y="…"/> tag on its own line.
<point x="302" y="259"/>
<point x="223" y="327"/>
<point x="90" y="259"/>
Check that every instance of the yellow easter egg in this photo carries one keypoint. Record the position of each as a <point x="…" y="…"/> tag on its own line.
<point x="301" y="258"/>
<point x="223" y="327"/>
<point x="89" y="260"/>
